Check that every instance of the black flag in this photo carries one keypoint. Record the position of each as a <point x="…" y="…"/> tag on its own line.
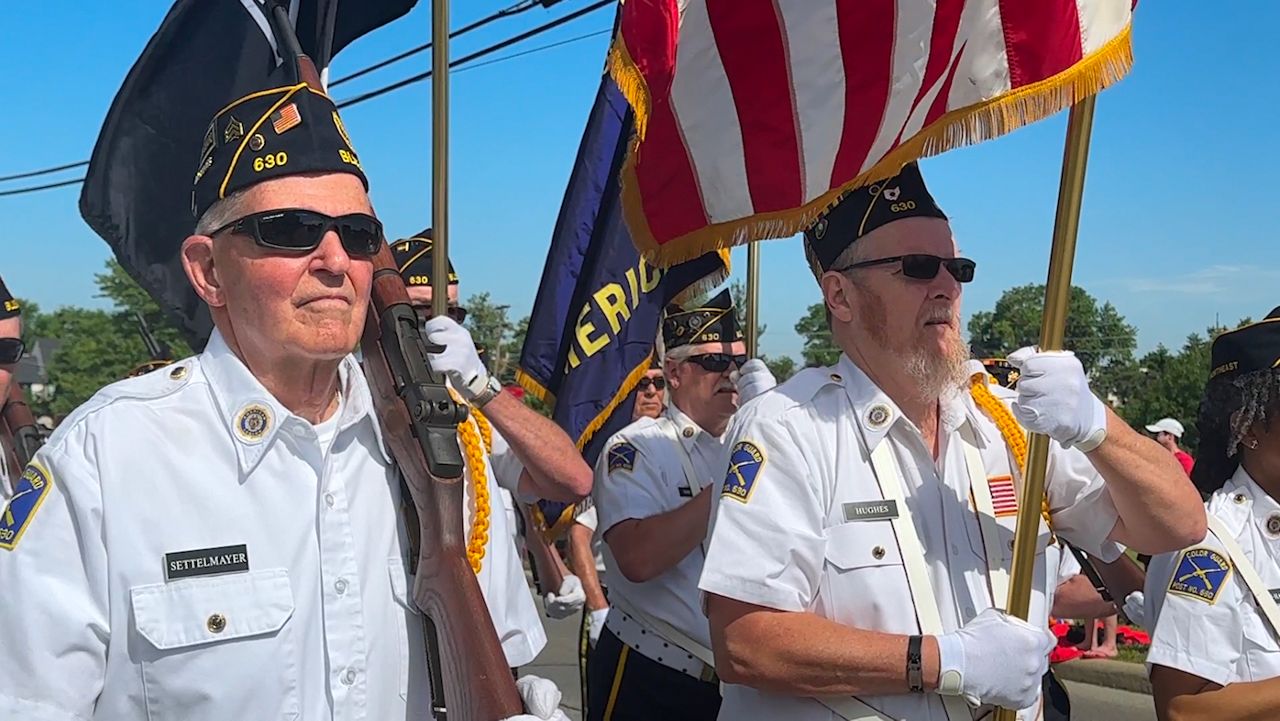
<point x="137" y="192"/>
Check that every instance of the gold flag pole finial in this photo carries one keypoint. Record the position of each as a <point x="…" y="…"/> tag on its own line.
<point x="440" y="156"/>
<point x="1057" y="298"/>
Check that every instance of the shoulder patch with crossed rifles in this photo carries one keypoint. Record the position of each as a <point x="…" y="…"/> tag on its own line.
<point x="1201" y="574"/>
<point x="745" y="463"/>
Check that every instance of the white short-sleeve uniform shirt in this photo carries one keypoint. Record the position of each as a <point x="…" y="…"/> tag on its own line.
<point x="184" y="547"/>
<point x="1207" y="623"/>
<point x="639" y="475"/>
<point x="780" y="538"/>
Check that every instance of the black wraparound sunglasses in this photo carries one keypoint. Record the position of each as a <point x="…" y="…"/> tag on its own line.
<point x="922" y="267"/>
<point x="11" y="350"/>
<point x="717" y="362"/>
<point x="659" y="383"/>
<point x="300" y="231"/>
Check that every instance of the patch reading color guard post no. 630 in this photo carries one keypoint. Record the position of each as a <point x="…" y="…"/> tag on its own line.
<point x="206" y="562"/>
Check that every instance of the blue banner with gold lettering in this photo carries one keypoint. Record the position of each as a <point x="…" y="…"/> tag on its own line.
<point x="596" y="318"/>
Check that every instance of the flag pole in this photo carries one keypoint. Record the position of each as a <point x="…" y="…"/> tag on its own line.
<point x="1057" y="298"/>
<point x="440" y="156"/>
<point x="753" y="297"/>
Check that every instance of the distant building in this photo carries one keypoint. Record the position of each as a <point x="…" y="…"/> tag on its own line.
<point x="32" y="372"/>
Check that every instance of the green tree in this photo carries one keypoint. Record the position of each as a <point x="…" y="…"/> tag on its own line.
<point x="492" y="330"/>
<point x="819" y="348"/>
<point x="738" y="292"/>
<point x="1096" y="332"/>
<point x="782" y="367"/>
<point x="129" y="298"/>
<point x="1164" y="383"/>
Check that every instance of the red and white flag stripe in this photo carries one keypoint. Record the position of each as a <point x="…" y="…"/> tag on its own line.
<point x="754" y="115"/>
<point x="1004" y="499"/>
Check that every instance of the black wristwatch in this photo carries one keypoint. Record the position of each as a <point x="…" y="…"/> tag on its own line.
<point x="915" y="664"/>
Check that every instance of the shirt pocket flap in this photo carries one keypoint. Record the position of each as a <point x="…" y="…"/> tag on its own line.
<point x="197" y="611"/>
<point x="861" y="544"/>
<point x="401" y="584"/>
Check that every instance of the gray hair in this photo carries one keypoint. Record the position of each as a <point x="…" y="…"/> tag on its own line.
<point x="1228" y="411"/>
<point x="677" y="354"/>
<point x="222" y="212"/>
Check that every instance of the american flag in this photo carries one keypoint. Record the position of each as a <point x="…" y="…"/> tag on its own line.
<point x="285" y="118"/>
<point x="1004" y="501"/>
<point x="754" y="115"/>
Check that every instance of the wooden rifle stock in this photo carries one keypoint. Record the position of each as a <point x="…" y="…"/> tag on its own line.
<point x="18" y="427"/>
<point x="419" y="421"/>
<point x="546" y="570"/>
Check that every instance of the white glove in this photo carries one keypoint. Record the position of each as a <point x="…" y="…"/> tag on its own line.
<point x="459" y="360"/>
<point x="754" y="378"/>
<point x="568" y="601"/>
<point x="541" y="699"/>
<point x="595" y="625"/>
<point x="1054" y="398"/>
<point x="1135" y="608"/>
<point x="1000" y="659"/>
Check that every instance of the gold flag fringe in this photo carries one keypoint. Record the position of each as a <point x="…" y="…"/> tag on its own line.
<point x="962" y="126"/>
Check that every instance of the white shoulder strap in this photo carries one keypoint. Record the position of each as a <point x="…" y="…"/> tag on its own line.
<point x="888" y="475"/>
<point x="1248" y="573"/>
<point x="997" y="570"/>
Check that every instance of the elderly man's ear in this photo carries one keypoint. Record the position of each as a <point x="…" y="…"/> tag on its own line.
<point x="198" y="262"/>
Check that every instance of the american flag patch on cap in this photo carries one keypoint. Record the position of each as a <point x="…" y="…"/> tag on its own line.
<point x="1004" y="502"/>
<point x="285" y="118"/>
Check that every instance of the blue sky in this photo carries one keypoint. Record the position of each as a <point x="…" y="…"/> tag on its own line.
<point x="1177" y="228"/>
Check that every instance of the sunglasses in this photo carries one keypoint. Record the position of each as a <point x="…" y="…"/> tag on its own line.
<point x="658" y="383"/>
<point x="300" y="231"/>
<point x="923" y="267"/>
<point x="456" y="312"/>
<point x="11" y="350"/>
<point x="717" y="362"/>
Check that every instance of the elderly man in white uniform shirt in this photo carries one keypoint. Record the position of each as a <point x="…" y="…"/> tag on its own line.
<point x="859" y="553"/>
<point x="1215" y="607"/>
<point x="652" y="498"/>
<point x="223" y="539"/>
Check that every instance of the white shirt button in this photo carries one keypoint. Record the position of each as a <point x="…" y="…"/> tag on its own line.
<point x="340" y="586"/>
<point x="349" y="677"/>
<point x="328" y="500"/>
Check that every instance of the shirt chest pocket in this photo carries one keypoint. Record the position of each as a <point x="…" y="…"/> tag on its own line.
<point x="864" y="583"/>
<point x="217" y="648"/>
<point x="409" y="634"/>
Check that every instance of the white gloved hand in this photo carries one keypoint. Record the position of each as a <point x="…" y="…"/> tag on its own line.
<point x="595" y="625"/>
<point x="460" y="360"/>
<point x="1000" y="659"/>
<point x="754" y="378"/>
<point x="1054" y="397"/>
<point x="568" y="601"/>
<point x="541" y="699"/>
<point x="1135" y="608"/>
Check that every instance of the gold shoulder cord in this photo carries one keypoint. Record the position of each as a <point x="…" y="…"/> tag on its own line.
<point x="475" y="445"/>
<point x="1013" y="434"/>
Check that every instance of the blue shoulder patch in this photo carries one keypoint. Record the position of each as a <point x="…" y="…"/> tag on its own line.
<point x="622" y="456"/>
<point x="27" y="497"/>
<point x="1201" y="574"/>
<point x="745" y="463"/>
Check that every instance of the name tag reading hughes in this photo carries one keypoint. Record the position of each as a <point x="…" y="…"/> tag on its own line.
<point x="870" y="511"/>
<point x="206" y="562"/>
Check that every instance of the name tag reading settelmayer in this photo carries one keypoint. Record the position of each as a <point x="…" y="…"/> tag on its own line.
<point x="870" y="511"/>
<point x="206" y="562"/>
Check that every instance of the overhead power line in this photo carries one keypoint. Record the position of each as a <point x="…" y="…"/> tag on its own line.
<point x="510" y="11"/>
<point x="393" y="86"/>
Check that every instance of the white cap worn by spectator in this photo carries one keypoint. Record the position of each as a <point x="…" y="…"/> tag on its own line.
<point x="1167" y="425"/>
